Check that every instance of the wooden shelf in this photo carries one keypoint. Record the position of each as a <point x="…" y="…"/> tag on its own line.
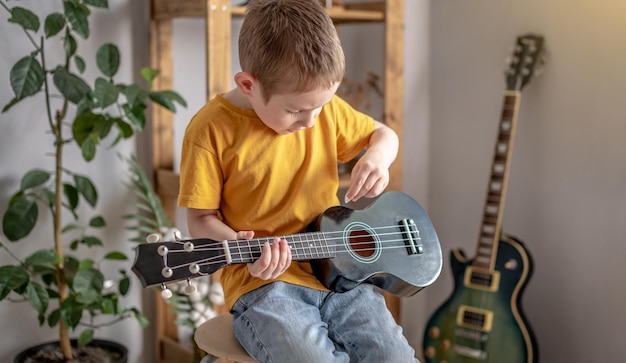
<point x="169" y="9"/>
<point x="218" y="15"/>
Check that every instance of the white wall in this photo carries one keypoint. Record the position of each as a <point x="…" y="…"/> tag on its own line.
<point x="24" y="144"/>
<point x="567" y="192"/>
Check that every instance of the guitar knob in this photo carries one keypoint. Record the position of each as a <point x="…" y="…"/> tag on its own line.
<point x="434" y="332"/>
<point x="445" y="344"/>
<point x="430" y="352"/>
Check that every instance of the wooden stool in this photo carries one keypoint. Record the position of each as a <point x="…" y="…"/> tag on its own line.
<point x="216" y="337"/>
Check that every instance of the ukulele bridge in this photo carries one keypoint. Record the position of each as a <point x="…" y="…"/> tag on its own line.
<point x="411" y="236"/>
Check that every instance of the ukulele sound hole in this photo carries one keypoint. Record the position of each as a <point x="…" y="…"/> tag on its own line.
<point x="362" y="243"/>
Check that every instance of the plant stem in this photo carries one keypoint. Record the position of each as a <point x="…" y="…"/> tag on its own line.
<point x="64" y="336"/>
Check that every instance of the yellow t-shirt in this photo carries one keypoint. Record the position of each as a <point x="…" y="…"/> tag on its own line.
<point x="265" y="182"/>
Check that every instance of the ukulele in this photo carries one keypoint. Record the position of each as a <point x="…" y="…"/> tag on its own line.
<point x="482" y="320"/>
<point x="391" y="244"/>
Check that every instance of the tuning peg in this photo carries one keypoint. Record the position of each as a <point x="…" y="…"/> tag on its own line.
<point x="190" y="288"/>
<point x="162" y="250"/>
<point x="167" y="272"/>
<point x="153" y="238"/>
<point x="188" y="246"/>
<point x="177" y="235"/>
<point x="165" y="292"/>
<point x="194" y="268"/>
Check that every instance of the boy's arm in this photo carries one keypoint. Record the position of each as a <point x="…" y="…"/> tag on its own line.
<point x="274" y="260"/>
<point x="370" y="175"/>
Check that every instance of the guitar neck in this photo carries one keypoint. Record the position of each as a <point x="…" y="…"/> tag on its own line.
<point x="496" y="192"/>
<point x="304" y="246"/>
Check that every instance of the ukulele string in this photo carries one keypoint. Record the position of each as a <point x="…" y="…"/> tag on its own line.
<point x="254" y="246"/>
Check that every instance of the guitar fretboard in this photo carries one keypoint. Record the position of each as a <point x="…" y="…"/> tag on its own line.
<point x="304" y="246"/>
<point x="496" y="192"/>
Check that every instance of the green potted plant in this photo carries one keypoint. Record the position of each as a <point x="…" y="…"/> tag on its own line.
<point x="65" y="285"/>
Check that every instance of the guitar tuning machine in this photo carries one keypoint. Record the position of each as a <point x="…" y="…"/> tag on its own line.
<point x="153" y="238"/>
<point x="190" y="288"/>
<point x="165" y="292"/>
<point x="177" y="235"/>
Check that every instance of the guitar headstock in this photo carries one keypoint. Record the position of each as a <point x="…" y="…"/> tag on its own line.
<point x="525" y="61"/>
<point x="158" y="263"/>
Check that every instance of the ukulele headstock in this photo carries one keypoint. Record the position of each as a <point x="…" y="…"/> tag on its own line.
<point x="158" y="263"/>
<point x="525" y="62"/>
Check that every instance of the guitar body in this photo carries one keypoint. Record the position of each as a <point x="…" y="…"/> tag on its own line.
<point x="506" y="337"/>
<point x="374" y="247"/>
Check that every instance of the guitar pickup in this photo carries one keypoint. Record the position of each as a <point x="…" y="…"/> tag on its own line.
<point x="482" y="279"/>
<point x="411" y="236"/>
<point x="474" y="318"/>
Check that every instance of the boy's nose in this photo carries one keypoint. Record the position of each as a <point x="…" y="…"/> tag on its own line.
<point x="308" y="121"/>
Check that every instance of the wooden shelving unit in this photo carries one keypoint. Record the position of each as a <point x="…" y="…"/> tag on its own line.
<point x="218" y="15"/>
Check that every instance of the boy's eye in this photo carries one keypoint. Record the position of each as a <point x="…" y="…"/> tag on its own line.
<point x="296" y="113"/>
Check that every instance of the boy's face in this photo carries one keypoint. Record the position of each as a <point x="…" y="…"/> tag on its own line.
<point x="287" y="113"/>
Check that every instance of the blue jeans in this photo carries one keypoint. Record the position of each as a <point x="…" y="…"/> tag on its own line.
<point x="284" y="323"/>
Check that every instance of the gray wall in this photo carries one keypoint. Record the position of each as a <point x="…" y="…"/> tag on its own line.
<point x="567" y="190"/>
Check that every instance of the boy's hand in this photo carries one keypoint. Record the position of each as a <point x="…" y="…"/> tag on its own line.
<point x="368" y="178"/>
<point x="274" y="260"/>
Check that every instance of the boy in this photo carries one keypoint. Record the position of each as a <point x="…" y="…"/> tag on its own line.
<point x="261" y="160"/>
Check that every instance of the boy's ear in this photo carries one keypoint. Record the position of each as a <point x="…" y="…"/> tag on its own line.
<point x="245" y="81"/>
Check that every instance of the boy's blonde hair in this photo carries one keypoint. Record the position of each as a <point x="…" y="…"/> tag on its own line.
<point x="290" y="46"/>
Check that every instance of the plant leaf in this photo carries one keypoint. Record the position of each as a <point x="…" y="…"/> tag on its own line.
<point x="137" y="115"/>
<point x="116" y="255"/>
<point x="91" y="241"/>
<point x="19" y="219"/>
<point x="71" y="312"/>
<point x="27" y="77"/>
<point x="135" y="95"/>
<point x="167" y="99"/>
<point x="85" y="337"/>
<point x="71" y="86"/>
<point x="25" y="18"/>
<point x="97" y="222"/>
<point x="88" y="284"/>
<point x="69" y="45"/>
<point x="124" y="286"/>
<point x="37" y="296"/>
<point x="105" y="93"/>
<point x="108" y="59"/>
<point x="77" y="15"/>
<point x="42" y="259"/>
<point x="97" y="3"/>
<point x="53" y="24"/>
<point x="143" y="321"/>
<point x="85" y="125"/>
<point x="11" y="278"/>
<point x="149" y="74"/>
<point x="80" y="64"/>
<point x="86" y="189"/>
<point x="71" y="193"/>
<point x="34" y="178"/>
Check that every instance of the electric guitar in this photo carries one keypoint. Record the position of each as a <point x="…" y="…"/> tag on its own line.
<point x="391" y="244"/>
<point x="482" y="320"/>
